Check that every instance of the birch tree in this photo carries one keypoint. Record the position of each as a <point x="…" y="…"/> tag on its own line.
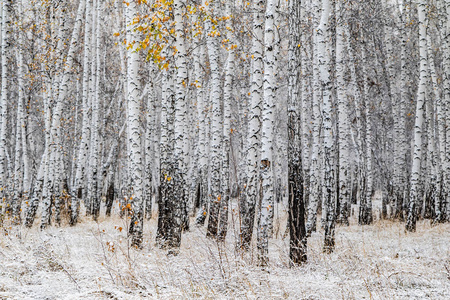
<point x="315" y="181"/>
<point x="228" y="97"/>
<point x="297" y="231"/>
<point x="327" y="189"/>
<point x="254" y="134"/>
<point x="21" y="160"/>
<point x="134" y="135"/>
<point x="85" y="130"/>
<point x="93" y="169"/>
<point x="344" y="127"/>
<point x="421" y="94"/>
<point x="266" y="165"/>
<point x="6" y="7"/>
<point x="216" y="129"/>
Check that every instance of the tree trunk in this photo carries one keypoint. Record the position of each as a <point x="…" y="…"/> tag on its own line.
<point x="6" y="7"/>
<point x="227" y="101"/>
<point x="266" y="164"/>
<point x="421" y="94"/>
<point x="216" y="130"/>
<point x="344" y="126"/>
<point x="134" y="134"/>
<point x="315" y="181"/>
<point x="328" y="183"/>
<point x="86" y="128"/>
<point x="296" y="218"/>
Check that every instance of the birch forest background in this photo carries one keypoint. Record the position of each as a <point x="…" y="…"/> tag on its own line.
<point x="225" y="149"/>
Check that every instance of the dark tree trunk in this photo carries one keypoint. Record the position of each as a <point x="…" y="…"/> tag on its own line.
<point x="213" y="220"/>
<point x="399" y="206"/>
<point x="201" y="192"/>
<point x="109" y="198"/>
<point x="95" y="201"/>
<point x="74" y="216"/>
<point x="296" y="217"/>
<point x="163" y="212"/>
<point x="430" y="199"/>
<point x="384" y="201"/>
<point x="148" y="203"/>
<point x="297" y="230"/>
<point x="247" y="212"/>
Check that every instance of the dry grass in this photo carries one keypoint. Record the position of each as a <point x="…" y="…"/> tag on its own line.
<point x="93" y="261"/>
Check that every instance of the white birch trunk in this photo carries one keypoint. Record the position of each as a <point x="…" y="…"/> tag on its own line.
<point x="328" y="190"/>
<point x="228" y="98"/>
<point x="83" y="150"/>
<point x="149" y="143"/>
<point x="315" y="181"/>
<point x="421" y="94"/>
<point x="6" y="6"/>
<point x="440" y="153"/>
<point x="134" y="135"/>
<point x="306" y="101"/>
<point x="344" y="123"/>
<point x="179" y="202"/>
<point x="266" y="164"/>
<point x="94" y="162"/>
<point x="254" y="134"/>
<point x="402" y="139"/>
<point x="447" y="108"/>
<point x="216" y="130"/>
<point x="365" y="217"/>
<point x="19" y="163"/>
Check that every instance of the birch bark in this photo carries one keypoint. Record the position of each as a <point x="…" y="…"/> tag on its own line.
<point x="6" y="7"/>
<point x="80" y="176"/>
<point x="266" y="164"/>
<point x="315" y="181"/>
<point x="327" y="189"/>
<point x="254" y="134"/>
<point x="134" y="135"/>
<point x="227" y="101"/>
<point x="216" y="130"/>
<point x="421" y="94"/>
<point x="296" y="222"/>
<point x="344" y="126"/>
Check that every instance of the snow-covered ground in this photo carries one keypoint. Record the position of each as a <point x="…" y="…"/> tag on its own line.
<point x="93" y="261"/>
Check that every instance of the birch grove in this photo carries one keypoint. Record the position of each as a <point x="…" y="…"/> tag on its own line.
<point x="244" y="120"/>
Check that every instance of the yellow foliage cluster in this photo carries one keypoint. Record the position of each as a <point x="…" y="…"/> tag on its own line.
<point x="158" y="28"/>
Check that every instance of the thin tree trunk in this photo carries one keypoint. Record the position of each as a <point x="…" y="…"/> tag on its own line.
<point x="134" y="135"/>
<point x="254" y="134"/>
<point x="86" y="128"/>
<point x="94" y="161"/>
<point x="315" y="181"/>
<point x="266" y="165"/>
<point x="421" y="93"/>
<point x="228" y="97"/>
<point x="344" y="124"/>
<point x="216" y="130"/>
<point x="6" y="6"/>
<point x="328" y="185"/>
<point x="296" y="221"/>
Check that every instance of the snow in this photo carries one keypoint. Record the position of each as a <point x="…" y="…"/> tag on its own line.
<point x="93" y="261"/>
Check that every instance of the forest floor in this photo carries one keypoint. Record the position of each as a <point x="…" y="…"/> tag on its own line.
<point x="93" y="261"/>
